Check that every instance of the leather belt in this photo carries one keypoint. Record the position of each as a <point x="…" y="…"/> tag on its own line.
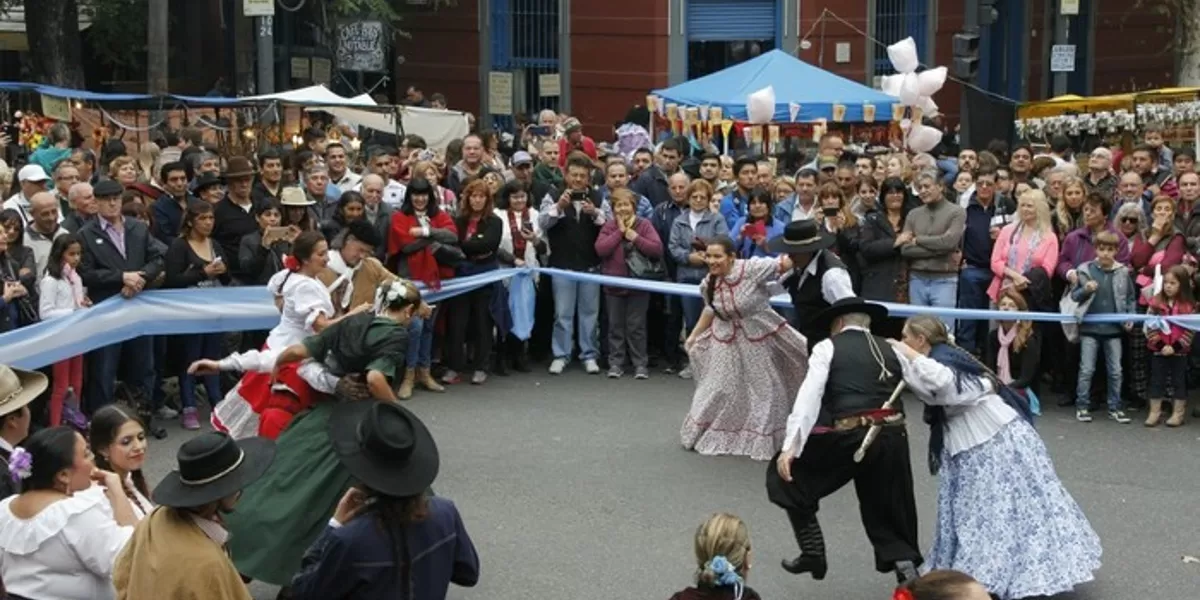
<point x="864" y="420"/>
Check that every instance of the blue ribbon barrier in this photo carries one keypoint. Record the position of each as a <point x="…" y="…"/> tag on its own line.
<point x="216" y="310"/>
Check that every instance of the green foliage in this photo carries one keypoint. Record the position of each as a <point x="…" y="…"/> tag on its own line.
<point x="383" y="10"/>
<point x="118" y="31"/>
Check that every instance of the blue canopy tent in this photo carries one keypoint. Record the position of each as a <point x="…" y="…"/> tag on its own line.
<point x="813" y="88"/>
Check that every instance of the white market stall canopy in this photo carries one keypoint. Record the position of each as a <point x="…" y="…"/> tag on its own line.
<point x="437" y="126"/>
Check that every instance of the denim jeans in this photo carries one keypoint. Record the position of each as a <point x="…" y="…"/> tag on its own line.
<point x="196" y="347"/>
<point x="973" y="283"/>
<point x="1089" y="347"/>
<point x="420" y="341"/>
<point x="575" y="304"/>
<point x="132" y="361"/>
<point x="939" y="291"/>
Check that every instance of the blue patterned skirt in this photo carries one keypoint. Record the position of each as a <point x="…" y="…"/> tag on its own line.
<point x="1005" y="519"/>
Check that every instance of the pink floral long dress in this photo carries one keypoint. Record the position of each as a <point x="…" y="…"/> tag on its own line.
<point x="748" y="368"/>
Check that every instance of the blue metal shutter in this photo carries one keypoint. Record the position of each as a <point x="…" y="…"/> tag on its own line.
<point x="730" y="20"/>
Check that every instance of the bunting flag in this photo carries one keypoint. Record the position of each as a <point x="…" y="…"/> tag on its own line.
<point x="793" y="110"/>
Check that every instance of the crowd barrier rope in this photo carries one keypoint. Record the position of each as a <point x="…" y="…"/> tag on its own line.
<point x="218" y="310"/>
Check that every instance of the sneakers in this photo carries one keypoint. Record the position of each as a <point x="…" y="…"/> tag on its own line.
<point x="590" y="366"/>
<point x="166" y="413"/>
<point x="189" y="421"/>
<point x="615" y="373"/>
<point x="478" y="378"/>
<point x="641" y="373"/>
<point x="1083" y="415"/>
<point x="557" y="366"/>
<point x="450" y="377"/>
<point x="686" y="373"/>
<point x="1119" y="416"/>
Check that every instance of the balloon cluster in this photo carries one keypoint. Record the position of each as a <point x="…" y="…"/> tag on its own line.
<point x="915" y="91"/>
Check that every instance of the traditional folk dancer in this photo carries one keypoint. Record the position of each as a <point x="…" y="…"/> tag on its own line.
<point x="256" y="405"/>
<point x="284" y="512"/>
<point x="850" y="376"/>
<point x="1003" y="515"/>
<point x="818" y="277"/>
<point x="746" y="359"/>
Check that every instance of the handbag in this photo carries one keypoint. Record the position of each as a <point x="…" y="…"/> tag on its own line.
<point x="1068" y="306"/>
<point x="641" y="266"/>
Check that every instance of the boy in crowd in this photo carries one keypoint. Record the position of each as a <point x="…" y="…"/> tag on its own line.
<point x="1107" y="284"/>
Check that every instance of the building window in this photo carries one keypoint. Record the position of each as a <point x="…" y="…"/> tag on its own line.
<point x="525" y="39"/>
<point x="723" y="33"/>
<point x="709" y="57"/>
<point x="896" y="20"/>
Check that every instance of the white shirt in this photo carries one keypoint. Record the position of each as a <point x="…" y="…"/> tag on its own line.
<point x="807" y="406"/>
<point x="40" y="244"/>
<point x="799" y="213"/>
<point x="19" y="203"/>
<point x="973" y="415"/>
<point x="349" y="181"/>
<point x="835" y="283"/>
<point x="695" y="217"/>
<point x="393" y="192"/>
<point x="58" y="297"/>
<point x="66" y="552"/>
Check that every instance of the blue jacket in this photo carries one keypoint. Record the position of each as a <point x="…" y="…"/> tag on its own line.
<point x="746" y="248"/>
<point x="358" y="560"/>
<point x="644" y="208"/>
<point x="733" y="207"/>
<point x="680" y="246"/>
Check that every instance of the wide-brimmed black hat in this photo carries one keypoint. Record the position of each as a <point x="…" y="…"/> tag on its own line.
<point x="848" y="306"/>
<point x="207" y="180"/>
<point x="384" y="446"/>
<point x="800" y="237"/>
<point x="212" y="466"/>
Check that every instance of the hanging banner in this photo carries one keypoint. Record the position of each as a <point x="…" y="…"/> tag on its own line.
<point x="56" y="108"/>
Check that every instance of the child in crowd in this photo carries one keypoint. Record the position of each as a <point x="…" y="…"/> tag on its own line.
<point x="943" y="585"/>
<point x="1170" y="345"/>
<point x="60" y="293"/>
<point x="1014" y="349"/>
<point x="723" y="557"/>
<point x="1106" y="286"/>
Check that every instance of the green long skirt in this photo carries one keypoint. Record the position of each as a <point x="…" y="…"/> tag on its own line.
<point x="282" y="514"/>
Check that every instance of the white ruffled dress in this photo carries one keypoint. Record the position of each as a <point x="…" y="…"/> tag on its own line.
<point x="66" y="552"/>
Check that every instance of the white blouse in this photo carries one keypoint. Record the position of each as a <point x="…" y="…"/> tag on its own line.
<point x="66" y="552"/>
<point x="142" y="506"/>
<point x="304" y="299"/>
<point x="506" y="237"/>
<point x="973" y="415"/>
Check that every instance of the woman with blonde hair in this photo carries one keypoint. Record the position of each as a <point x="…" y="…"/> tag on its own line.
<point x="723" y="561"/>
<point x="1024" y="245"/>
<point x="1068" y="212"/>
<point x="123" y="170"/>
<point x="147" y="157"/>
<point x="1004" y="517"/>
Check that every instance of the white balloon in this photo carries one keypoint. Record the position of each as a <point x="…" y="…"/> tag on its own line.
<point x="928" y="107"/>
<point x="931" y="80"/>
<point x="760" y="106"/>
<point x="904" y="55"/>
<point x="910" y="90"/>
<point x="890" y="84"/>
<point x="922" y="138"/>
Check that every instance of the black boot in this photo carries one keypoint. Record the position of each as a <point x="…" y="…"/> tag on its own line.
<point x="812" y="548"/>
<point x="516" y="352"/>
<point x="499" y="365"/>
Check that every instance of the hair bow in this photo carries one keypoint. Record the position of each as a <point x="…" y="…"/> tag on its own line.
<point x="727" y="575"/>
<point x="902" y="593"/>
<point x="290" y="263"/>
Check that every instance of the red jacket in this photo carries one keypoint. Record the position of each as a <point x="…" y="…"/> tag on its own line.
<point x="420" y="265"/>
<point x="565" y="147"/>
<point x="1180" y="338"/>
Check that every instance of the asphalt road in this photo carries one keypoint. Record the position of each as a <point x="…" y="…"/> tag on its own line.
<point x="576" y="487"/>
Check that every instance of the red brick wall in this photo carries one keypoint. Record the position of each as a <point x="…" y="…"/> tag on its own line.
<point x="826" y="36"/>
<point x="618" y="55"/>
<point x="1134" y="49"/>
<point x="949" y="21"/>
<point x="443" y="54"/>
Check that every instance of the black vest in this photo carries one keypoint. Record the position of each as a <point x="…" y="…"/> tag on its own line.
<point x="573" y="240"/>
<point x="854" y="385"/>
<point x="807" y="299"/>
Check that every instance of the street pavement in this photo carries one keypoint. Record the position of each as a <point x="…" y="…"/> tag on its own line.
<point x="576" y="487"/>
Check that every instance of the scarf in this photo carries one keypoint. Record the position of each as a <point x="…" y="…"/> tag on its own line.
<point x="71" y="277"/>
<point x="346" y="275"/>
<point x="1003" y="366"/>
<point x="1014" y="242"/>
<point x="968" y="373"/>
<point x="514" y="226"/>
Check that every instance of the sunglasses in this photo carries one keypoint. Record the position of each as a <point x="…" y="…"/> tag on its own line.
<point x="1129" y="219"/>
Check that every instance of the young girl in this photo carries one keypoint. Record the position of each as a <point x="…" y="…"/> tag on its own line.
<point x="1014" y="349"/>
<point x="61" y="293"/>
<point x="723" y="559"/>
<point x="943" y="585"/>
<point x="1170" y="345"/>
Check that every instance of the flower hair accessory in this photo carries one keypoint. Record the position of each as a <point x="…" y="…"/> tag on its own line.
<point x="391" y="293"/>
<point x="20" y="464"/>
<point x="726" y="574"/>
<point x="902" y="593"/>
<point x="290" y="263"/>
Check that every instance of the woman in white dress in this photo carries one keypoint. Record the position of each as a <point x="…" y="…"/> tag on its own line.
<point x="1003" y="515"/>
<point x="118" y="439"/>
<point x="55" y="543"/>
<point x="256" y="406"/>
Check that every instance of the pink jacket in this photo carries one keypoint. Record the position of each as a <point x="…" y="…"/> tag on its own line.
<point x="611" y="250"/>
<point x="1044" y="256"/>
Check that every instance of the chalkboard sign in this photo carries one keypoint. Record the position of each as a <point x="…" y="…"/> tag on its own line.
<point x="362" y="46"/>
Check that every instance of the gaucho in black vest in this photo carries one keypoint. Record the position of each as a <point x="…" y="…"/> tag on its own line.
<point x="850" y="377"/>
<point x="818" y="279"/>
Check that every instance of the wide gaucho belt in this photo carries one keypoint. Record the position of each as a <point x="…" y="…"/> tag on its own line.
<point x="867" y="420"/>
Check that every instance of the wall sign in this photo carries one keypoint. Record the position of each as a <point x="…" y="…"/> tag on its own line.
<point x="1062" y="58"/>
<point x="500" y="93"/>
<point x="362" y="46"/>
<point x="258" y="8"/>
<point x="56" y="108"/>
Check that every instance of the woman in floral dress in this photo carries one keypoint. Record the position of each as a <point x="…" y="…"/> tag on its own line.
<point x="748" y="362"/>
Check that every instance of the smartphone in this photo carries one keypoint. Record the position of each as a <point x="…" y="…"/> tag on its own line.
<point x="218" y="260"/>
<point x="830" y="211"/>
<point x="277" y="232"/>
<point x="580" y="196"/>
<point x="542" y="130"/>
